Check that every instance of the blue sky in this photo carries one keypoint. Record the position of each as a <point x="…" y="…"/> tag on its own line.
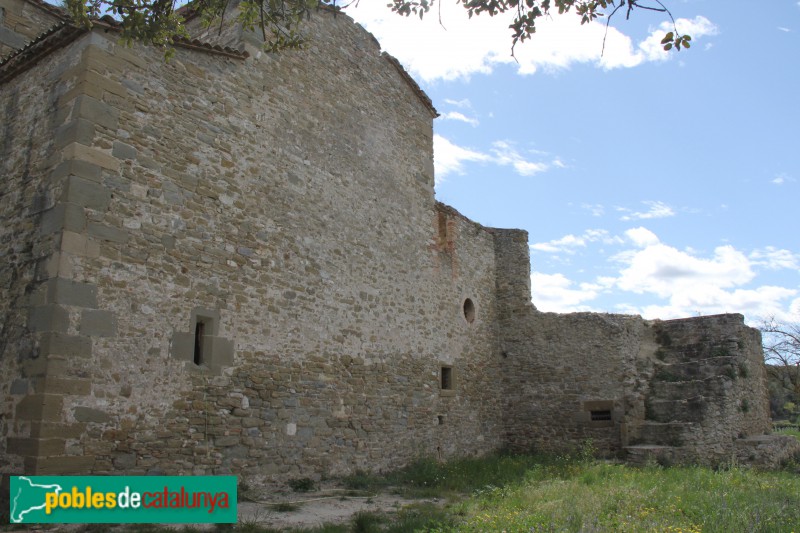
<point x="650" y="183"/>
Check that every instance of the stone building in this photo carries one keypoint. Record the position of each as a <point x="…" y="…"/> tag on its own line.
<point x="234" y="262"/>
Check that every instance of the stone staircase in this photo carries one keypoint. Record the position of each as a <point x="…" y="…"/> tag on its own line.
<point x="691" y="385"/>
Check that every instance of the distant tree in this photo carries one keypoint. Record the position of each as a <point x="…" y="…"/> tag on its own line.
<point x="159" y="22"/>
<point x="781" y="342"/>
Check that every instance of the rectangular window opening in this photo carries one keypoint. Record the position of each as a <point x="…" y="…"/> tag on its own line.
<point x="199" y="334"/>
<point x="447" y="378"/>
<point x="601" y="415"/>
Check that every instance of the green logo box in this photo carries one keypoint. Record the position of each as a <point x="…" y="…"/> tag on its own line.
<point x="123" y="499"/>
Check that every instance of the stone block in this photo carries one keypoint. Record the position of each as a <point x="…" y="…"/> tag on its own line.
<point x="228" y="440"/>
<point x="125" y="461"/>
<point x="44" y="430"/>
<point x="182" y="346"/>
<point x="53" y="343"/>
<point x="120" y="150"/>
<point x="79" y="131"/>
<point x="20" y="386"/>
<point x="68" y="292"/>
<point x="48" y="318"/>
<point x="98" y="323"/>
<point x="64" y="386"/>
<point x="96" y="112"/>
<point x="90" y="415"/>
<point x="60" y="465"/>
<point x="86" y="193"/>
<point x="107" y="233"/>
<point x="40" y="407"/>
<point x="91" y="155"/>
<point x="63" y="216"/>
<point x="77" y="244"/>
<point x="221" y="352"/>
<point x="76" y="167"/>
<point x="34" y="447"/>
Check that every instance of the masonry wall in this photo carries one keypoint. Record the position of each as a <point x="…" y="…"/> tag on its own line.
<point x="35" y="128"/>
<point x="561" y="369"/>
<point x="297" y="222"/>
<point x="21" y="22"/>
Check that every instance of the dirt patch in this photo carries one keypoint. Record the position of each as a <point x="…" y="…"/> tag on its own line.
<point x="317" y="509"/>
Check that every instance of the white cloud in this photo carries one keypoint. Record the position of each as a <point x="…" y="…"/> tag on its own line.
<point x="464" y="46"/>
<point x="506" y="154"/>
<point x="686" y="282"/>
<point x="455" y="115"/>
<point x="651" y="48"/>
<point x="555" y="293"/>
<point x="782" y="178"/>
<point x="597" y="210"/>
<point x="775" y="259"/>
<point x="464" y="103"/>
<point x="642" y="237"/>
<point x="568" y="243"/>
<point x="449" y="158"/>
<point x="781" y="28"/>
<point x="656" y="210"/>
<point x="663" y="270"/>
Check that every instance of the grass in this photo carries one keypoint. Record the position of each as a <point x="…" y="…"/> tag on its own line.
<point x="526" y="493"/>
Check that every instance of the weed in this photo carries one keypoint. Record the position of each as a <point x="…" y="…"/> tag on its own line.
<point x="720" y="351"/>
<point x="744" y="372"/>
<point x="305" y="484"/>
<point x="663" y="338"/>
<point x="366" y="522"/>
<point x="285" y="507"/>
<point x="665" y="375"/>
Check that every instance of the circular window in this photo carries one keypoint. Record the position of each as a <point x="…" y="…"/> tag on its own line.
<point x="469" y="310"/>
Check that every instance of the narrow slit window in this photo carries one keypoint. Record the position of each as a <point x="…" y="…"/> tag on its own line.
<point x="469" y="311"/>
<point x="199" y="338"/>
<point x="447" y="378"/>
<point x="601" y="415"/>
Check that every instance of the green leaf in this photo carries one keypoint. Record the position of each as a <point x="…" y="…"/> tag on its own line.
<point x="668" y="46"/>
<point x="668" y="38"/>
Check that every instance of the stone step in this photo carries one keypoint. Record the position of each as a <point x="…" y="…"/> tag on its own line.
<point x="681" y="410"/>
<point x="671" y="387"/>
<point x="728" y="366"/>
<point x="642" y="454"/>
<point x="697" y="351"/>
<point x="664" y="433"/>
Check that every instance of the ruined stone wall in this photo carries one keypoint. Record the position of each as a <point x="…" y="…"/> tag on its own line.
<point x="296" y="221"/>
<point x="708" y="388"/>
<point x="563" y="369"/>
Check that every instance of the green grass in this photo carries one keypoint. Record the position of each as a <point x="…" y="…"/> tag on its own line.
<point x="793" y="431"/>
<point x="525" y="493"/>
<point x="608" y="497"/>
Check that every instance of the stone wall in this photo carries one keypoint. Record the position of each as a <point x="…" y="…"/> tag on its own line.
<point x="296" y="221"/>
<point x="35" y="309"/>
<point x="225" y="263"/>
<point x="22" y="21"/>
<point x="564" y="370"/>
